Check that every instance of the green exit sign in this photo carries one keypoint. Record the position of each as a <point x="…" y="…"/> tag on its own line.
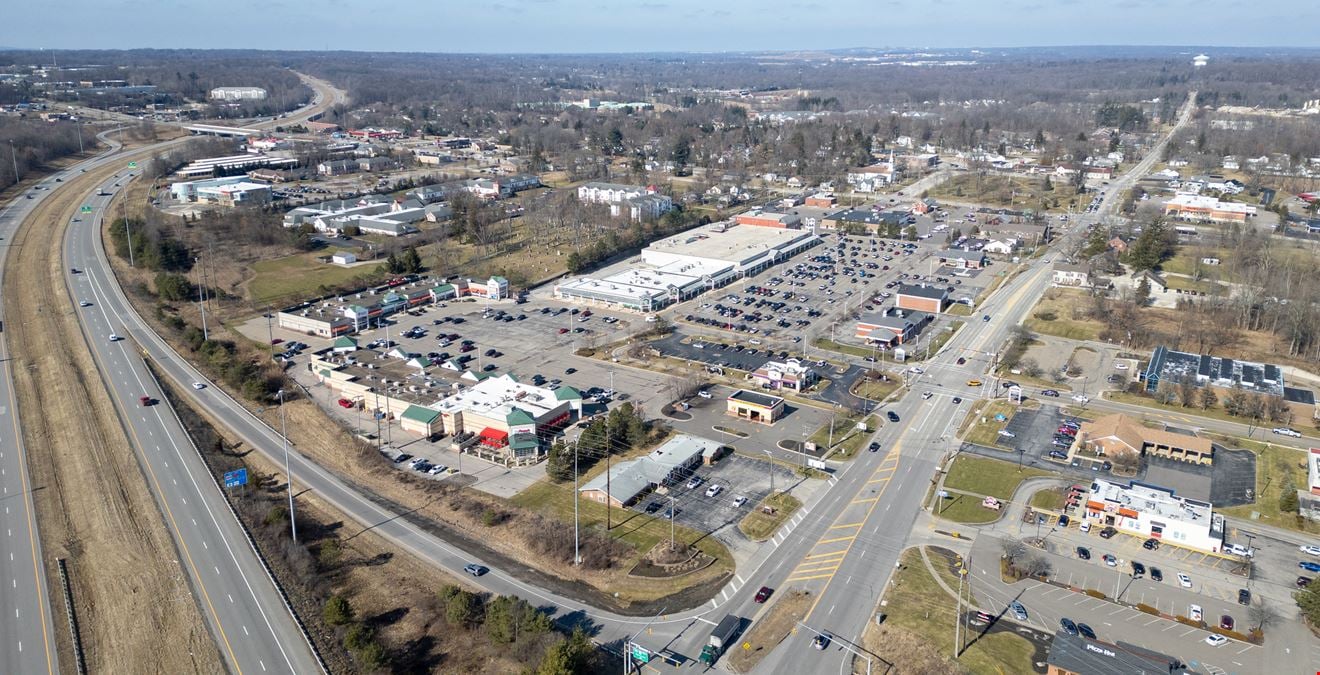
<point x="639" y="653"/>
<point x="86" y="209"/>
<point x="132" y="165"/>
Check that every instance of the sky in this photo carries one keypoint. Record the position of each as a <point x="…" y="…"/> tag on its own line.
<point x="577" y="26"/>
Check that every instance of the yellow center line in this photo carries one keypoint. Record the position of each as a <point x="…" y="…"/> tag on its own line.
<point x="864" y="501"/>
<point x="837" y="527"/>
<point x="898" y="448"/>
<point x="819" y="576"/>
<point x="831" y="541"/>
<point x="825" y="566"/>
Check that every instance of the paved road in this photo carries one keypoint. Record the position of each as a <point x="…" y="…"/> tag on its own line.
<point x="866" y="539"/>
<point x="27" y="633"/>
<point x="240" y="609"/>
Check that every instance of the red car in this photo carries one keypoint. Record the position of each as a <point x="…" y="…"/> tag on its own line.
<point x="763" y="594"/>
<point x="145" y="400"/>
<point x="586" y="313"/>
<point x="1226" y="622"/>
<point x="277" y="341"/>
<point x="345" y="403"/>
<point x="563" y="330"/>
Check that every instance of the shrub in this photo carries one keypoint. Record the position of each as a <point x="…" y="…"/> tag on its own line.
<point x="1046" y="315"/>
<point x="1095" y="594"/>
<point x="337" y="610"/>
<point x="1147" y="609"/>
<point x="277" y="515"/>
<point x="330" y="553"/>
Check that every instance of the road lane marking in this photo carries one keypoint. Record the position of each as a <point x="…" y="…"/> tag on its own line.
<point x="839" y="527"/>
<point x="820" y="576"/>
<point x="831" y="541"/>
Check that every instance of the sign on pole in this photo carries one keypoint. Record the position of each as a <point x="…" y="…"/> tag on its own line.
<point x="132" y="165"/>
<point x="86" y="209"/>
<point x="236" y="478"/>
<point x="639" y="653"/>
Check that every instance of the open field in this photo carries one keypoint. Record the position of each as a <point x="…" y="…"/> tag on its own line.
<point x="1018" y="192"/>
<point x="965" y="508"/>
<point x="989" y="477"/>
<point x="94" y="507"/>
<point x="917" y="635"/>
<point x="1065" y="307"/>
<point x="987" y="433"/>
<point x="298" y="276"/>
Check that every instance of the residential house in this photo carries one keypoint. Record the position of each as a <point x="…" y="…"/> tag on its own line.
<point x="1069" y="274"/>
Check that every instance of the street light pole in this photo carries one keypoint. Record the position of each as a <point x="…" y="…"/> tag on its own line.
<point x="293" y="521"/>
<point x="13" y="156"/>
<point x="270" y="334"/>
<point x="201" y="303"/>
<point x="577" y="558"/>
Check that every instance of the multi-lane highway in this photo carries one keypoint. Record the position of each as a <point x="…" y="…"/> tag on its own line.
<point x="27" y="632"/>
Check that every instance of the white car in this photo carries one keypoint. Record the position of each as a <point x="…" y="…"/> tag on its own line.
<point x="1080" y="399"/>
<point x="714" y="490"/>
<point x="84" y="303"/>
<point x="1194" y="612"/>
<point x="115" y="338"/>
<point x="199" y="385"/>
<point x="1215" y="640"/>
<point x="1313" y="550"/>
<point x="1184" y="580"/>
<point x="695" y="482"/>
<point x="1285" y="431"/>
<point x="1120" y="366"/>
<point x="927" y="395"/>
<point x="703" y="394"/>
<point x="916" y="370"/>
<point x="739" y="501"/>
<point x="1006" y="433"/>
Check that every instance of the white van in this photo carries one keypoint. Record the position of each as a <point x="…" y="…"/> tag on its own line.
<point x="1240" y="550"/>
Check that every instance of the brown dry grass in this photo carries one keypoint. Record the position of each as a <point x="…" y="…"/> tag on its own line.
<point x="769" y="631"/>
<point x="134" y="605"/>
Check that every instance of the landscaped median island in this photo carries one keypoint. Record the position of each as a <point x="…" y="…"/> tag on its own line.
<point x="762" y="522"/>
<point x="843" y="436"/>
<point x="917" y="633"/>
<point x="971" y="480"/>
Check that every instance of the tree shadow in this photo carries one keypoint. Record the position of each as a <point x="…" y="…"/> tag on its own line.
<point x="417" y="656"/>
<point x="387" y="618"/>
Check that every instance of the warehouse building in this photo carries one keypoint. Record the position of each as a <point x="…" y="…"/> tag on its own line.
<point x="683" y="266"/>
<point x="626" y="482"/>
<point x="238" y="94"/>
<point x="228" y="191"/>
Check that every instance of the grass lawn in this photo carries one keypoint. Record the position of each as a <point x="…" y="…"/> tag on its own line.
<point x="938" y="339"/>
<point x="1274" y="466"/>
<point x="1053" y="315"/>
<point x="1050" y="500"/>
<point x="853" y="350"/>
<point x="1007" y="191"/>
<point x="852" y="443"/>
<point x="1184" y="284"/>
<point x="965" y="508"/>
<point x="920" y="617"/>
<point x="297" y="277"/>
<point x="843" y="425"/>
<point x="759" y="526"/>
<point x="1216" y="412"/>
<point x="875" y="390"/>
<point x="640" y="531"/>
<point x="986" y="476"/>
<point x="987" y="433"/>
<point x="959" y="309"/>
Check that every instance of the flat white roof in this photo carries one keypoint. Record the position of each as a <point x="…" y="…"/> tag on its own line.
<point x="736" y="244"/>
<point x="498" y="396"/>
<point x="1154" y="501"/>
<point x="1208" y="202"/>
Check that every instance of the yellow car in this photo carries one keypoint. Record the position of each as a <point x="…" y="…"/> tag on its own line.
<point x="973" y="383"/>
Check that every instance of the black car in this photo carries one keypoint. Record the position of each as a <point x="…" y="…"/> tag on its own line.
<point x="874" y="447"/>
<point x="476" y="570"/>
<point x="1151" y="544"/>
<point x="402" y="458"/>
<point x="1086" y="631"/>
<point x="1244" y="596"/>
<point x="1068" y="626"/>
<point x="1156" y="574"/>
<point x="1083" y="553"/>
<point x="1108" y="532"/>
<point x="570" y="371"/>
<point x="1138" y="569"/>
<point x="652" y="507"/>
<point x="893" y="416"/>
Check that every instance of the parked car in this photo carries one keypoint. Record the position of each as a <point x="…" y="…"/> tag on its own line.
<point x="1216" y="640"/>
<point x="1303" y="582"/>
<point x="695" y="482"/>
<point x="1156" y="574"/>
<point x="714" y="490"/>
<point x="1138" y="569"/>
<point x="1068" y="626"/>
<point x="652" y="507"/>
<point x="1151" y="544"/>
<point x="1313" y="550"/>
<point x="1083" y="553"/>
<point x="1309" y="566"/>
<point x="402" y="458"/>
<point x="1108" y="532"/>
<point x="1019" y="611"/>
<point x="1110" y="560"/>
<point x="1086" y="631"/>
<point x="739" y="501"/>
<point x="1184" y="580"/>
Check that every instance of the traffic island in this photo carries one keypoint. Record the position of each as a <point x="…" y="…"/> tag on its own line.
<point x="765" y="519"/>
<point x="772" y="628"/>
<point x="667" y="561"/>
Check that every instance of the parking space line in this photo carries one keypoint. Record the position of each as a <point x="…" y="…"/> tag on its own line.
<point x="1120" y="609"/>
<point x="1151" y="621"/>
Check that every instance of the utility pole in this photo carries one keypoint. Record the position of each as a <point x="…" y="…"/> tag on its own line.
<point x="201" y="302"/>
<point x="293" y="522"/>
<point x="672" y="517"/>
<point x="957" y="621"/>
<point x="13" y="155"/>
<point x="577" y="558"/>
<point x="270" y="334"/>
<point x="609" y="496"/>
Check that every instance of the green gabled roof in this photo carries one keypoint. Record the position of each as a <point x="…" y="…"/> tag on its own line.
<point x="345" y="342"/>
<point x="421" y="362"/>
<point x="443" y="288"/>
<point x="417" y="413"/>
<point x="480" y="377"/>
<point x="567" y="393"/>
<point x="524" y="442"/>
<point x="500" y="279"/>
<point x="519" y="416"/>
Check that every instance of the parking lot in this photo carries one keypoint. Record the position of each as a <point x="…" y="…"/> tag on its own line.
<point x="735" y="477"/>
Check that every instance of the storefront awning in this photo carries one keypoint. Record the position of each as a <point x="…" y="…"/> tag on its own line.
<point x="494" y="438"/>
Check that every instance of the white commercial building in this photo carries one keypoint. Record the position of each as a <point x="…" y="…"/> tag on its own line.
<point x="228" y="191"/>
<point x="1156" y="512"/>
<point x="640" y="203"/>
<point x="685" y="265"/>
<point x="238" y="94"/>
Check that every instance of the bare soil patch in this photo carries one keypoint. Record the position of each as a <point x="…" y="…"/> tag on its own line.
<point x="775" y="625"/>
<point x="90" y="494"/>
